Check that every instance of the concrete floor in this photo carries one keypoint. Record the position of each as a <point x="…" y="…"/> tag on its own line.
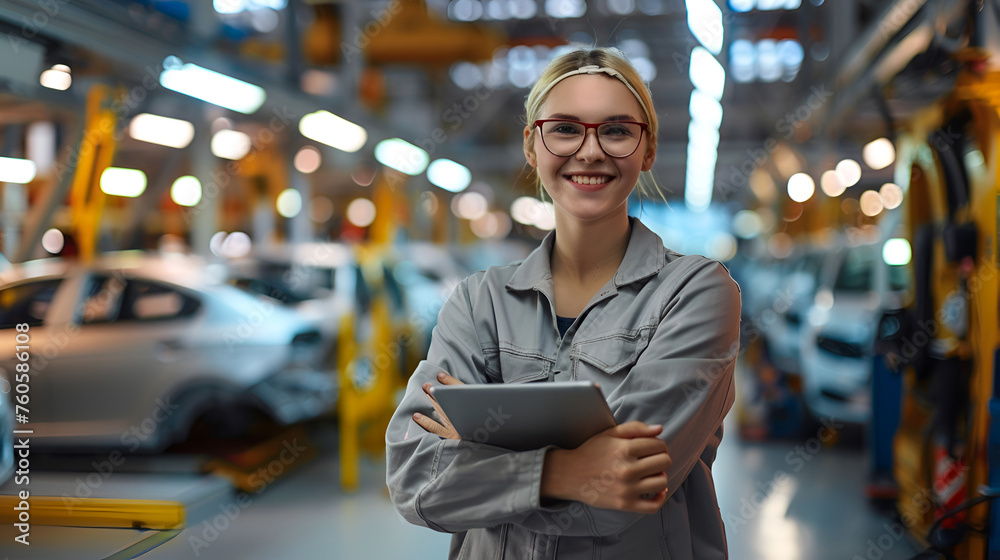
<point x="777" y="506"/>
<point x="775" y="509"/>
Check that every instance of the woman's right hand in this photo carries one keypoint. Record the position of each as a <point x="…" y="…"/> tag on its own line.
<point x="622" y="468"/>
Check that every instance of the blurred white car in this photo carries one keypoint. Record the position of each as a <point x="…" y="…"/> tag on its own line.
<point x="840" y="328"/>
<point x="317" y="280"/>
<point x="791" y="303"/>
<point x="133" y="350"/>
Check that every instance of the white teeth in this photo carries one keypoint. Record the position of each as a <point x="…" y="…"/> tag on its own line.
<point x="588" y="180"/>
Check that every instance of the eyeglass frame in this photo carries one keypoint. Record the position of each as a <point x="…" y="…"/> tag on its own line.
<point x="587" y="126"/>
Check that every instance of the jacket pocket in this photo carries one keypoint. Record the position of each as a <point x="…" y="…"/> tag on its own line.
<point x="610" y="354"/>
<point x="484" y="544"/>
<point x="518" y="365"/>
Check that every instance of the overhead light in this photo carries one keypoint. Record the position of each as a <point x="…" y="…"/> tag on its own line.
<point x="879" y="154"/>
<point x="361" y="212"/>
<point x="119" y="181"/>
<point x="449" y="175"/>
<point x="470" y="206"/>
<point x="320" y="209"/>
<point x="891" y="195"/>
<point x="58" y="77"/>
<point x="235" y="245"/>
<point x="706" y="73"/>
<point x="701" y="158"/>
<point x="871" y="203"/>
<point x="231" y="144"/>
<point x="801" y="187"/>
<point x="530" y="211"/>
<point x="307" y="160"/>
<point x="165" y="131"/>
<point x="762" y="185"/>
<point x="849" y="171"/>
<point x="186" y="191"/>
<point x="210" y="86"/>
<point x="704" y="136"/>
<point x="289" y="203"/>
<point x="53" y="241"/>
<point x="747" y="224"/>
<point x="705" y="108"/>
<point x="253" y="6"/>
<point x="831" y="183"/>
<point x="699" y="182"/>
<point x="401" y="156"/>
<point x="17" y="170"/>
<point x="334" y="131"/>
<point x="896" y="252"/>
<point x="705" y="21"/>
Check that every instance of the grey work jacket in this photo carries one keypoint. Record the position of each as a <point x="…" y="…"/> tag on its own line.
<point x="661" y="338"/>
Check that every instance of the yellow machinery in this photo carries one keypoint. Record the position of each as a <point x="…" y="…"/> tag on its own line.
<point x="95" y="155"/>
<point x="372" y="366"/>
<point x="947" y="164"/>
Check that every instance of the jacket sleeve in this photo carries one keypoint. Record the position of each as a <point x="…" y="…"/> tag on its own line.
<point x="682" y="380"/>
<point x="452" y="485"/>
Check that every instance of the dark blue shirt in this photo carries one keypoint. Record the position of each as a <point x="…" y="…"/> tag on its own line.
<point x="563" y="323"/>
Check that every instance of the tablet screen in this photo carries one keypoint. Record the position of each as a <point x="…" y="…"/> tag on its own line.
<point x="524" y="416"/>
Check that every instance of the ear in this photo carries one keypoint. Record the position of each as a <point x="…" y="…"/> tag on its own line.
<point x="528" y="146"/>
<point x="649" y="158"/>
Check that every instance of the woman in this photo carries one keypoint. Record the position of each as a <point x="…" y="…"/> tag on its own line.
<point x="600" y="300"/>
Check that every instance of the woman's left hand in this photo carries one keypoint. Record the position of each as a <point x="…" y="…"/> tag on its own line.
<point x="444" y="428"/>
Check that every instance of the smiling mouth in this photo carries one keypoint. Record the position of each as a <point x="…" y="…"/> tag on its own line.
<point x="590" y="180"/>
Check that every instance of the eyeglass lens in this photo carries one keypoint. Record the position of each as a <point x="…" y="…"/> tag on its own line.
<point x="617" y="139"/>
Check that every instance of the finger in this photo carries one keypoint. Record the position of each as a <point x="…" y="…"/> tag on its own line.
<point x="446" y="379"/>
<point x="651" y="485"/>
<point x="429" y="424"/>
<point x="635" y="429"/>
<point x="445" y="421"/>
<point x="652" y="465"/>
<point x="643" y="447"/>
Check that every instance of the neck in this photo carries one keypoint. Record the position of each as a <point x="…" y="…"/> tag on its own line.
<point x="589" y="252"/>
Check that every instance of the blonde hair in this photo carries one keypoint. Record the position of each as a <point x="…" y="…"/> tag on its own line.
<point x="601" y="57"/>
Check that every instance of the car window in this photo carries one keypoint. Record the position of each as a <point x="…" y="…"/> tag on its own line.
<point x="150" y="301"/>
<point x="103" y="299"/>
<point x="855" y="274"/>
<point x="26" y="303"/>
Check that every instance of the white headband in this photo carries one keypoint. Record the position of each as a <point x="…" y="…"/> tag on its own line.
<point x="594" y="69"/>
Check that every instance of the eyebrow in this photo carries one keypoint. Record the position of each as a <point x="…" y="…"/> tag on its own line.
<point x="576" y="118"/>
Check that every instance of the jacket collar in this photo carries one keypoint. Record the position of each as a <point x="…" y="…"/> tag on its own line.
<point x="644" y="257"/>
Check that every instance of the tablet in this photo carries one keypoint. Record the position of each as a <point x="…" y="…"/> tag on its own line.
<point x="524" y="416"/>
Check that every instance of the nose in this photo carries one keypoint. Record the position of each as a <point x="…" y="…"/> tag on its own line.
<point x="591" y="149"/>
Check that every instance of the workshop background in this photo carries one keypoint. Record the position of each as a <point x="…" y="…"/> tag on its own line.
<point x="227" y="228"/>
